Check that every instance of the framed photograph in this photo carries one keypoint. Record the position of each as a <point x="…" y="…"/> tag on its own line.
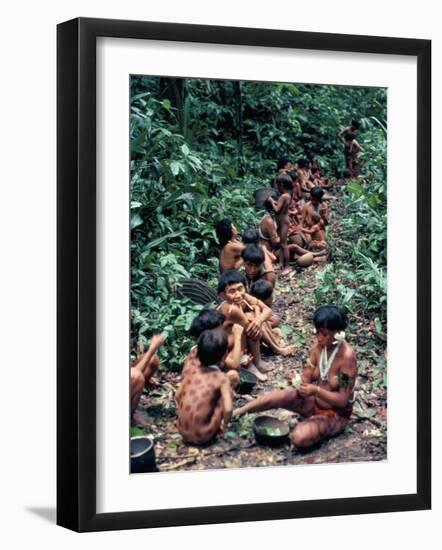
<point x="243" y="234"/>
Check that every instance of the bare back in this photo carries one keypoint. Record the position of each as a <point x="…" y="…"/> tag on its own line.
<point x="200" y="407"/>
<point x="230" y="257"/>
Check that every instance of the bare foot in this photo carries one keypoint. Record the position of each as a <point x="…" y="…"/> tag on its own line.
<point x="279" y="337"/>
<point x="265" y="367"/>
<point x="261" y="377"/>
<point x="288" y="350"/>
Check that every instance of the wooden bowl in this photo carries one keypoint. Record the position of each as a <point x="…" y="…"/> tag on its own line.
<point x="270" y="431"/>
<point x="247" y="381"/>
<point x="142" y="455"/>
<point x="305" y="260"/>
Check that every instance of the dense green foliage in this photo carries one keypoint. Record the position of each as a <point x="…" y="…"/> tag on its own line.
<point x="200" y="148"/>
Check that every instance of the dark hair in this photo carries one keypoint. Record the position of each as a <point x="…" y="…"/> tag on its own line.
<point x="317" y="193"/>
<point x="355" y="123"/>
<point x="293" y="175"/>
<point x="224" y="231"/>
<point x="330" y="317"/>
<point x="268" y="205"/>
<point x="349" y="136"/>
<point x="315" y="169"/>
<point x="282" y="161"/>
<point x="250" y="235"/>
<point x="230" y="277"/>
<point x="253" y="254"/>
<point x="285" y="181"/>
<point x="302" y="163"/>
<point x="212" y="345"/>
<point x="206" y="319"/>
<point x="261" y="289"/>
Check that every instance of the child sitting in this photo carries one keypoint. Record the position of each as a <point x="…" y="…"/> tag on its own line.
<point x="272" y="335"/>
<point x="324" y="394"/>
<point x="241" y="308"/>
<point x="283" y="166"/>
<point x="314" y="219"/>
<point x="204" y="398"/>
<point x="297" y="202"/>
<point x="251" y="236"/>
<point x="257" y="266"/>
<point x="231" y="248"/>
<point x="304" y="174"/>
<point x="209" y="319"/>
<point x="252" y="314"/>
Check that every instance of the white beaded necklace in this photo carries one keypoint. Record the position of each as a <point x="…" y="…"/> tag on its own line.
<point x="325" y="362"/>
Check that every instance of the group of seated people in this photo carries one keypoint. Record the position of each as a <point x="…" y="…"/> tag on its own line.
<point x="230" y="336"/>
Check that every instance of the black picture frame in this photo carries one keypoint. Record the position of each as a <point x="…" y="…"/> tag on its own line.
<point x="76" y="273"/>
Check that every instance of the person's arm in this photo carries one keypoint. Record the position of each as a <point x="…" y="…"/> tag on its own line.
<point x="342" y="134"/>
<point x="309" y="369"/>
<point x="270" y="276"/>
<point x="156" y="342"/>
<point x="282" y="201"/>
<point x="273" y="236"/>
<point x="236" y="247"/>
<point x="269" y="257"/>
<point x="356" y="146"/>
<point x="234" y="314"/>
<point x="254" y="328"/>
<point x="341" y="397"/>
<point x="324" y="213"/>
<point x="233" y="359"/>
<point x="226" y="396"/>
<point x="303" y="216"/>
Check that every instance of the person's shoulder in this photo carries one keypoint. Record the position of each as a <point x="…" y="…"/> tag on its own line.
<point x="315" y="351"/>
<point x="348" y="355"/>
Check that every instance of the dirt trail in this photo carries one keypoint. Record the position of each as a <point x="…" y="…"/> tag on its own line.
<point x="364" y="439"/>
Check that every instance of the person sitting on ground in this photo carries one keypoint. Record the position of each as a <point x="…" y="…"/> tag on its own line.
<point x="314" y="219"/>
<point x="304" y="174"/>
<point x="325" y="392"/>
<point x="257" y="266"/>
<point x="268" y="233"/>
<point x="231" y="247"/>
<point x="204" y="399"/>
<point x="313" y="160"/>
<point x="241" y="308"/>
<point x="297" y="202"/>
<point x="323" y="183"/>
<point x="142" y="371"/>
<point x="251" y="235"/>
<point x="209" y="319"/>
<point x="281" y="208"/>
<point x="252" y="314"/>
<point x="283" y="166"/>
<point x="263" y="290"/>
<point x="305" y="256"/>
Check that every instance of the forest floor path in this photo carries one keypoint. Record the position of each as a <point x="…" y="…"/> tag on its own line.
<point x="364" y="439"/>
